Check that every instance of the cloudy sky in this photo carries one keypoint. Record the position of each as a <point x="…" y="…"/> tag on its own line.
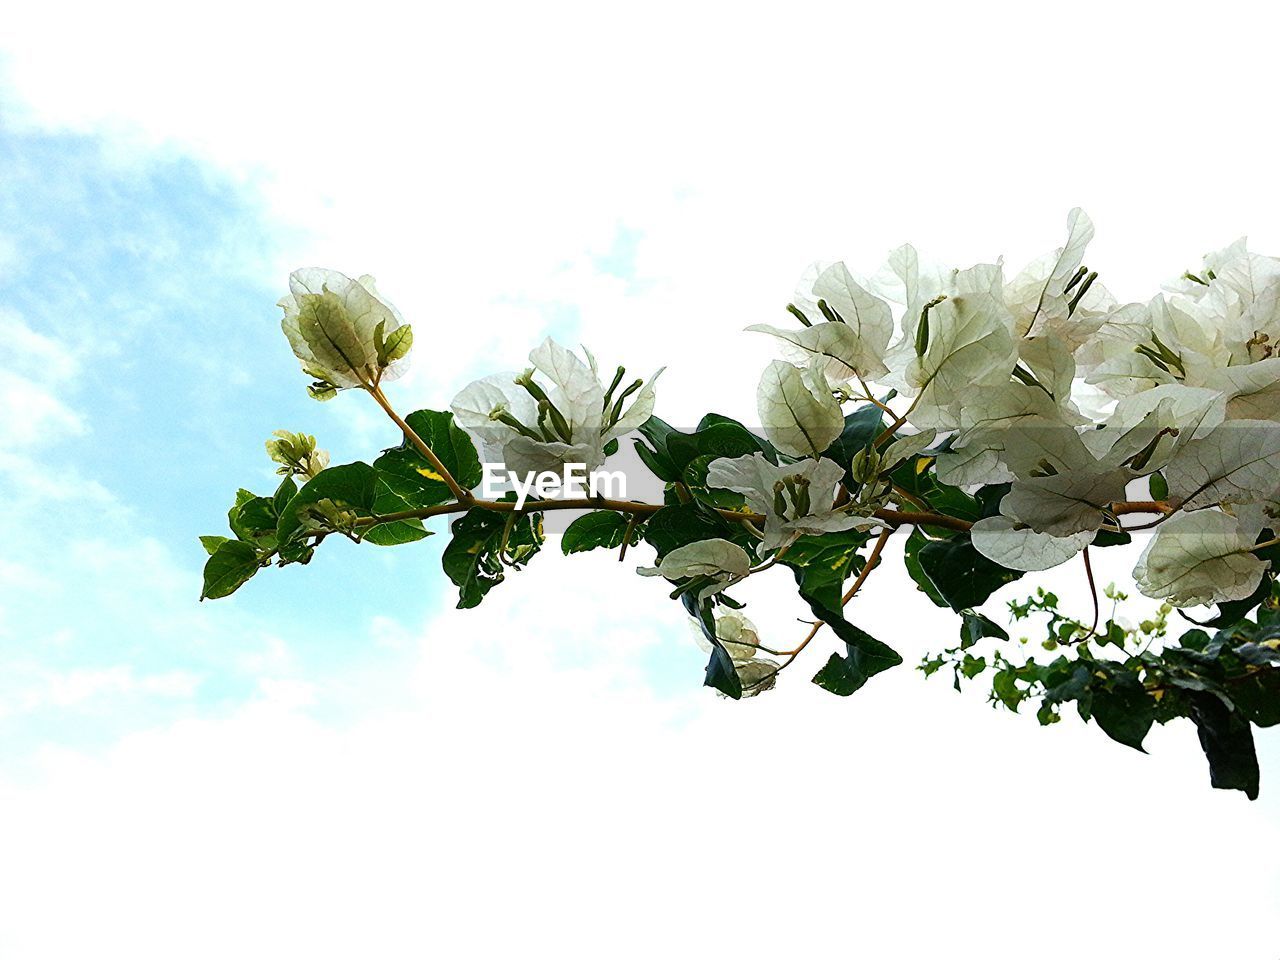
<point x="336" y="762"/>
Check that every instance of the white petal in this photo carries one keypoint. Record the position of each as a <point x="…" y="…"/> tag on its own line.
<point x="1196" y="558"/>
<point x="717" y="558"/>
<point x="1238" y="462"/>
<point x="1021" y="548"/>
<point x="576" y="393"/>
<point x="799" y="420"/>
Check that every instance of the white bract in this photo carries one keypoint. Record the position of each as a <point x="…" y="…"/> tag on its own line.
<point x="720" y="562"/>
<point x="798" y="410"/>
<point x="341" y="331"/>
<point x="556" y="412"/>
<point x="850" y="328"/>
<point x="1021" y="548"/>
<point x="794" y="499"/>
<point x="741" y="640"/>
<point x="1200" y="557"/>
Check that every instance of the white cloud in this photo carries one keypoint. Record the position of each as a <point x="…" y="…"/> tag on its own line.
<point x="77" y="687"/>
<point x="537" y="793"/>
<point x="33" y="415"/>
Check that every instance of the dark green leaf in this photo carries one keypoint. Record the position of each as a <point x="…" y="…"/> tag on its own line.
<point x="1227" y="740"/>
<point x="1159" y="487"/>
<point x="356" y="487"/>
<point x="412" y="478"/>
<point x="211" y="544"/>
<point x="1124" y="709"/>
<point x="975" y="626"/>
<point x="484" y="544"/>
<point x="962" y="576"/>
<point x="721" y="674"/>
<point x="601" y="528"/>
<point x="229" y="568"/>
<point x="681" y="524"/>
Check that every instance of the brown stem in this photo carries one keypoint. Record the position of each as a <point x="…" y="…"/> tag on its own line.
<point x="1093" y="590"/>
<point x="411" y="435"/>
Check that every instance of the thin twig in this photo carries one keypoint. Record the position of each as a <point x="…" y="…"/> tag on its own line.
<point x="411" y="435"/>
<point x="873" y="559"/>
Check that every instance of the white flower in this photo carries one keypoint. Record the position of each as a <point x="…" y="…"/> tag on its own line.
<point x="795" y="499"/>
<point x="741" y="640"/>
<point x="341" y="331"/>
<point x="1197" y="558"/>
<point x="961" y="343"/>
<point x="1021" y="548"/>
<point x="554" y="413"/>
<point x="849" y="337"/>
<point x="737" y="634"/>
<point x="721" y="562"/>
<point x="797" y="409"/>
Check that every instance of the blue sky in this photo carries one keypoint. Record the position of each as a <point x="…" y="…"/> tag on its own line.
<point x="142" y="281"/>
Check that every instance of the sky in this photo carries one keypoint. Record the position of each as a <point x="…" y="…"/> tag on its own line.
<point x="335" y="761"/>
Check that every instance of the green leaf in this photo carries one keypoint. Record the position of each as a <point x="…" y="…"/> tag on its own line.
<point x="962" y="576"/>
<point x="716" y="437"/>
<point x="1159" y="487"/>
<point x="655" y="456"/>
<point x="393" y="347"/>
<point x="1124" y="709"/>
<point x="484" y="544"/>
<point x="681" y="524"/>
<point x="601" y="528"/>
<point x="975" y="627"/>
<point x="228" y="568"/>
<point x="284" y="493"/>
<point x="211" y="544"/>
<point x="412" y="478"/>
<point x="722" y="673"/>
<point x="822" y="564"/>
<point x="865" y="656"/>
<point x="357" y="487"/>
<point x="911" y="560"/>
<point x="254" y="519"/>
<point x="1227" y="741"/>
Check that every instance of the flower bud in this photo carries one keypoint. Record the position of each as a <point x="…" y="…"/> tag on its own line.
<point x="341" y="331"/>
<point x="297" y="454"/>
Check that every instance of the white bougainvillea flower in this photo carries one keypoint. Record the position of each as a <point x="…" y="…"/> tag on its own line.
<point x="741" y="641"/>
<point x="554" y="413"/>
<point x="342" y="332"/>
<point x="737" y="634"/>
<point x="795" y="499"/>
<point x="721" y="562"/>
<point x="963" y="342"/>
<point x="798" y="411"/>
<point x="1199" y="558"/>
<point x="1060" y="488"/>
<point x="849" y="328"/>
<point x="1021" y="548"/>
<point x="992" y="418"/>
<point x="1040" y="297"/>
<point x="1238" y="462"/>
